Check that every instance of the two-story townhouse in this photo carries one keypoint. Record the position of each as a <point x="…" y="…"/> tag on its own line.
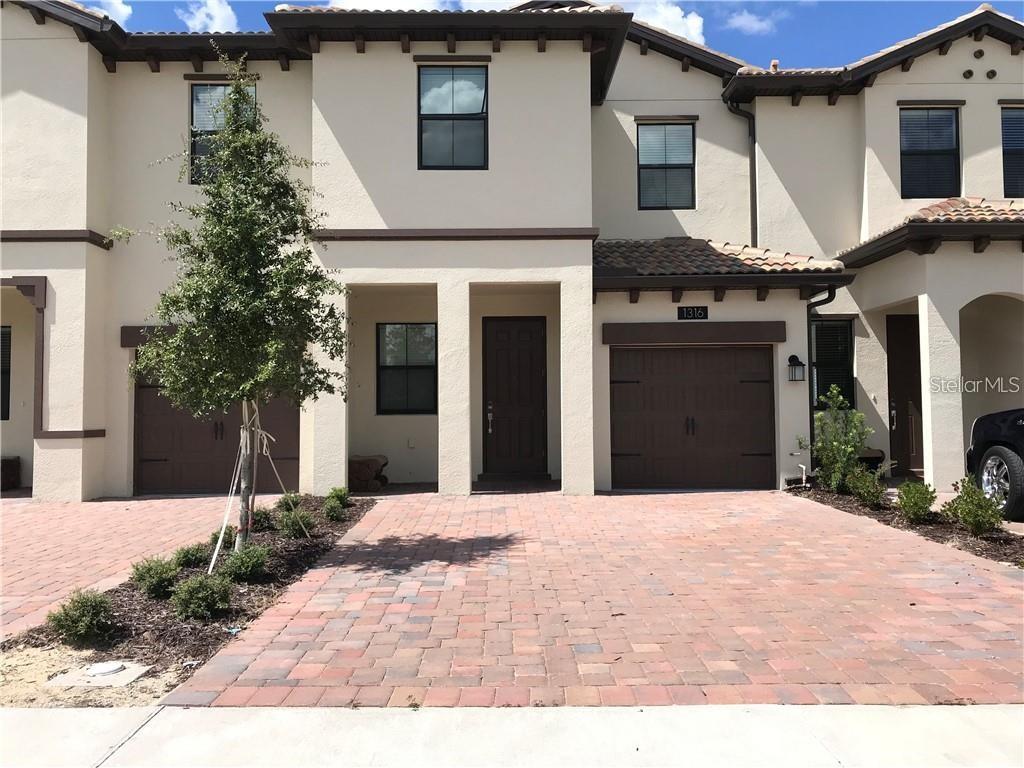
<point x="550" y="222"/>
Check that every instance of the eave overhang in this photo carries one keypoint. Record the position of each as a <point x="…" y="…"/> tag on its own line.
<point x="621" y="280"/>
<point x="924" y="237"/>
<point x="675" y="48"/>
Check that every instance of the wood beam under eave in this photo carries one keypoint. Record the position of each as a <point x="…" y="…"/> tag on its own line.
<point x="677" y="295"/>
<point x="981" y="243"/>
<point x="762" y="292"/>
<point x="643" y="47"/>
<point x="1016" y="46"/>
<point x="406" y="42"/>
<point x="360" y="42"/>
<point x="634" y="295"/>
<point x="833" y="98"/>
<point x="796" y="98"/>
<point x="153" y="61"/>
<point x="542" y="42"/>
<point x="980" y="32"/>
<point x="450" y="39"/>
<point x="496" y="42"/>
<point x="685" y="64"/>
<point x="110" y="63"/>
<point x="197" y="62"/>
<point x="871" y="80"/>
<point x="37" y="15"/>
<point x="725" y="80"/>
<point x="930" y="245"/>
<point x="807" y="292"/>
<point x="588" y="42"/>
<point x="284" y="61"/>
<point x="907" y="64"/>
<point x="80" y="33"/>
<point x="719" y="294"/>
<point x="944" y="48"/>
<point x="314" y="42"/>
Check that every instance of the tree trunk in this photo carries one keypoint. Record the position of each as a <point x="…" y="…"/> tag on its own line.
<point x="247" y="494"/>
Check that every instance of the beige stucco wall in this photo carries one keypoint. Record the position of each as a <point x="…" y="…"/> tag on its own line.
<point x="365" y="133"/>
<point x="654" y="85"/>
<point x="16" y="432"/>
<point x="992" y="356"/>
<point x="791" y="409"/>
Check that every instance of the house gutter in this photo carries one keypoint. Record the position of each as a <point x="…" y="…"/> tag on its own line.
<point x="752" y="159"/>
<point x="811" y="306"/>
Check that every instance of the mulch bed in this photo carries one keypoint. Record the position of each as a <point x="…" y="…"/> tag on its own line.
<point x="151" y="633"/>
<point x="1001" y="546"/>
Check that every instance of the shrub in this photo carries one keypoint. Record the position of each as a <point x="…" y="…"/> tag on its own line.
<point x="915" y="501"/>
<point x="295" y="524"/>
<point x="262" y="519"/>
<point x="972" y="508"/>
<point x="85" y="617"/>
<point x="247" y="565"/>
<point x="341" y="494"/>
<point x="155" y="576"/>
<point x="229" y="538"/>
<point x="866" y="486"/>
<point x="334" y="510"/>
<point x="192" y="556"/>
<point x="289" y="502"/>
<point x="840" y="435"/>
<point x="202" y="597"/>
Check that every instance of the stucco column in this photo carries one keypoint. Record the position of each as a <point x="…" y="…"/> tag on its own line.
<point x="454" y="449"/>
<point x="576" y="314"/>
<point x="323" y="435"/>
<point x="941" y="400"/>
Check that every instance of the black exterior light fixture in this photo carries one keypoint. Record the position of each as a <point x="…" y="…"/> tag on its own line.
<point x="796" y="369"/>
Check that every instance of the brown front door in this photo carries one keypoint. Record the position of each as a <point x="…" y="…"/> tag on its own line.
<point x="177" y="453"/>
<point x="515" y="397"/>
<point x="692" y="417"/>
<point x="903" y="347"/>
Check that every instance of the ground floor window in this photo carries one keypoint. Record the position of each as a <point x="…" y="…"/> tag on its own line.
<point x="832" y="358"/>
<point x="406" y="368"/>
<point x="5" y="372"/>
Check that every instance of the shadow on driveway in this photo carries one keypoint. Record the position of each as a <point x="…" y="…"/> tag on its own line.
<point x="394" y="554"/>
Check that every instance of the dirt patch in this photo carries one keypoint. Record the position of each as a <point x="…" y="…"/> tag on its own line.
<point x="152" y="634"/>
<point x="1001" y="546"/>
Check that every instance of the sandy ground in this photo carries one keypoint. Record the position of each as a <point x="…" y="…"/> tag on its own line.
<point x="24" y="672"/>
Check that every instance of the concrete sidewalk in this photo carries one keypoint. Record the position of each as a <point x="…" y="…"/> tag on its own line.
<point x="708" y="736"/>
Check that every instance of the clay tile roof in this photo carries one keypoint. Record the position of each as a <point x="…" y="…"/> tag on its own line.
<point x="693" y="256"/>
<point x="335" y="9"/>
<point x="969" y="210"/>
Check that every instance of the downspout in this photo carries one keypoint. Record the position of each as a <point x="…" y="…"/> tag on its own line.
<point x="812" y="305"/>
<point x="752" y="159"/>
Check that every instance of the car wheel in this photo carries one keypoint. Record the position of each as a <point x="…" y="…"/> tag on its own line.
<point x="1001" y="477"/>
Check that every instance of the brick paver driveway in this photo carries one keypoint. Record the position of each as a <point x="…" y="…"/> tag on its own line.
<point x="543" y="599"/>
<point x="49" y="549"/>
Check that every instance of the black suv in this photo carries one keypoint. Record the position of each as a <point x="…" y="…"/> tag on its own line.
<point x="995" y="459"/>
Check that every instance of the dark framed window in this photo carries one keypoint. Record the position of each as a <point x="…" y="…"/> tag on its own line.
<point x="406" y="368"/>
<point x="205" y="120"/>
<point x="1013" y="152"/>
<point x="832" y="359"/>
<point x="929" y="153"/>
<point x="665" y="177"/>
<point x="5" y="372"/>
<point x="453" y="118"/>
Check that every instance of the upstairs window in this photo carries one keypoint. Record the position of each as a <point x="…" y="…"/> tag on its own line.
<point x="453" y="118"/>
<point x="205" y="121"/>
<point x="665" y="166"/>
<point x="831" y="359"/>
<point x="406" y="368"/>
<point x="1013" y="152"/>
<point x="929" y="153"/>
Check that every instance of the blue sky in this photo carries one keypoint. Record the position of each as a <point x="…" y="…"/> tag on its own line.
<point x="800" y="34"/>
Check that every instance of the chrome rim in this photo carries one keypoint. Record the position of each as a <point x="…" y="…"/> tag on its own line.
<point x="995" y="480"/>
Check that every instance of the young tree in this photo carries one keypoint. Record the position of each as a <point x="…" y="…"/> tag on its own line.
<point x="249" y="304"/>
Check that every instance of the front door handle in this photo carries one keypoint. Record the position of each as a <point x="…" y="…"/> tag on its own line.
<point x="490" y="418"/>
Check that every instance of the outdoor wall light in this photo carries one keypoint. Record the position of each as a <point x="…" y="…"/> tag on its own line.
<point x="796" y="368"/>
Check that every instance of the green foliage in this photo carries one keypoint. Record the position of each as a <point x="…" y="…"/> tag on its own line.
<point x="229" y="538"/>
<point x="288" y="502"/>
<point x="247" y="565"/>
<point x="192" y="556"/>
<point x="86" y="617"/>
<point x="340" y="495"/>
<point x="334" y="510"/>
<point x="295" y="523"/>
<point x="262" y="519"/>
<point x="155" y="576"/>
<point x="973" y="509"/>
<point x="866" y="486"/>
<point x="915" y="501"/>
<point x="840" y="435"/>
<point x="202" y="597"/>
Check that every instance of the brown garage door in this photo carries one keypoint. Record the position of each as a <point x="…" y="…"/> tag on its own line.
<point x="176" y="453"/>
<point x="692" y="417"/>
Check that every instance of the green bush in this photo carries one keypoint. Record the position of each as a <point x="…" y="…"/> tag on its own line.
<point x="972" y="508"/>
<point x="866" y="486"/>
<point x="155" y="576"/>
<point x="86" y="617"/>
<point x="262" y="519"/>
<point x="229" y="538"/>
<point x="192" y="556"/>
<point x="915" y="501"/>
<point x="341" y="494"/>
<point x="840" y="435"/>
<point x="202" y="597"/>
<point x="334" y="510"/>
<point x="288" y="502"/>
<point x="295" y="524"/>
<point x="247" y="565"/>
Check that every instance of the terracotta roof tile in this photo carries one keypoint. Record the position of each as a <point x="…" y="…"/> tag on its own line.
<point x="970" y="210"/>
<point x="285" y="8"/>
<point x="693" y="256"/>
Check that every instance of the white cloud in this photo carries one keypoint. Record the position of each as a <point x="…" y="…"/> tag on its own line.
<point x="751" y="24"/>
<point x="209" y="16"/>
<point x="118" y="10"/>
<point x="669" y="16"/>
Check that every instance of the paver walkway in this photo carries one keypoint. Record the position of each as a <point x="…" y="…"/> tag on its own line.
<point x="49" y="549"/>
<point x="544" y="600"/>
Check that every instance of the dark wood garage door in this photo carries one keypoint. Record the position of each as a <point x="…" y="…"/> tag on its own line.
<point x="176" y="453"/>
<point x="692" y="417"/>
